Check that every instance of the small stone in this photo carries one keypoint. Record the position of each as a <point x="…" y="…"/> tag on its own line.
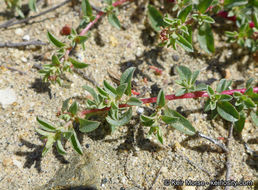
<point x="7" y="97"/>
<point x="113" y="41"/>
<point x="164" y="170"/>
<point x="172" y="70"/>
<point x="7" y="162"/>
<point x="139" y="110"/>
<point x="175" y="58"/>
<point x="87" y="145"/>
<point x="24" y="60"/>
<point x="139" y="52"/>
<point x="19" y="31"/>
<point x="227" y="74"/>
<point x="26" y="38"/>
<point x="17" y="163"/>
<point x="104" y="181"/>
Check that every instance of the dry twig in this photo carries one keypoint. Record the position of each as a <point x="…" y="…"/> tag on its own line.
<point x="22" y="44"/>
<point x="213" y="141"/>
<point x="14" y="22"/>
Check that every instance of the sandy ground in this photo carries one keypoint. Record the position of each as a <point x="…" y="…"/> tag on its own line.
<point x="127" y="159"/>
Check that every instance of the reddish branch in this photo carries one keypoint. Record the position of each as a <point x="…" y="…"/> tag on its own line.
<point x="171" y="97"/>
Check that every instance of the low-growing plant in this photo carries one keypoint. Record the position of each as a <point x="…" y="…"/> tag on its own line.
<point x="115" y="102"/>
<point x="200" y="15"/>
<point x="16" y="5"/>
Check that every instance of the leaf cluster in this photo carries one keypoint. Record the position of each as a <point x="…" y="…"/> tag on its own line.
<point x="16" y="6"/>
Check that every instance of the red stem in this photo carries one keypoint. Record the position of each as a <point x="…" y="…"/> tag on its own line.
<point x="171" y="97"/>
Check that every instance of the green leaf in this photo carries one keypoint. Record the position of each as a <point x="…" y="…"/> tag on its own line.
<point x="239" y="125"/>
<point x="60" y="148"/>
<point x="32" y="5"/>
<point x="207" y="106"/>
<point x="73" y="108"/>
<point x="169" y="119"/>
<point x="225" y="97"/>
<point x="227" y="111"/>
<point x="113" y="20"/>
<point x="204" y="5"/>
<point x="201" y="87"/>
<point x="207" y="19"/>
<point x="249" y="83"/>
<point x="65" y="104"/>
<point x="109" y="89"/>
<point x="210" y="91"/>
<point x="125" y="119"/>
<point x="133" y="101"/>
<point x="86" y="8"/>
<point x="120" y="90"/>
<point x="228" y="4"/>
<point x="194" y="76"/>
<point x="184" y="43"/>
<point x="223" y="85"/>
<point x="76" y="144"/>
<point x="126" y="77"/>
<point x="254" y="118"/>
<point x="43" y="133"/>
<point x="87" y="126"/>
<point x="181" y="123"/>
<point x="180" y="92"/>
<point x="54" y="41"/>
<point x="184" y="73"/>
<point x="182" y="14"/>
<point x="159" y="135"/>
<point x="49" y="144"/>
<point x="102" y="92"/>
<point x="205" y="38"/>
<point x="92" y="92"/>
<point x="46" y="126"/>
<point x="147" y="120"/>
<point x="248" y="102"/>
<point x="161" y="99"/>
<point x="155" y="18"/>
<point x="77" y="64"/>
<point x="55" y="60"/>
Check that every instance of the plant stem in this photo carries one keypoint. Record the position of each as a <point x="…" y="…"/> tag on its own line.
<point x="171" y="97"/>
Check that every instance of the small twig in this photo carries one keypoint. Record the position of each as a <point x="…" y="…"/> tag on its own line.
<point x="196" y="165"/>
<point x="222" y="146"/>
<point x="156" y="178"/>
<point x="20" y="72"/>
<point x="22" y="44"/>
<point x="8" y="23"/>
<point x="171" y="97"/>
<point x="228" y="164"/>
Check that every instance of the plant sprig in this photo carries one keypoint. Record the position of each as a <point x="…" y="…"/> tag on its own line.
<point x="116" y="103"/>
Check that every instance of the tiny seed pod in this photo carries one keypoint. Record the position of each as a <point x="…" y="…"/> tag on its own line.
<point x="65" y="31"/>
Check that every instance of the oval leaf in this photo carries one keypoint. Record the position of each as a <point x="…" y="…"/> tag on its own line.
<point x="76" y="144"/>
<point x="155" y="18"/>
<point x="113" y="20"/>
<point x="60" y="148"/>
<point x="87" y="126"/>
<point x="133" y="101"/>
<point x="204" y="5"/>
<point x="54" y="41"/>
<point x="73" y="108"/>
<point x="205" y="38"/>
<point x="184" y="13"/>
<point x="184" y="43"/>
<point x="227" y="111"/>
<point x="161" y="99"/>
<point x="46" y="126"/>
<point x="77" y="64"/>
<point x="125" y="119"/>
<point x="126" y="77"/>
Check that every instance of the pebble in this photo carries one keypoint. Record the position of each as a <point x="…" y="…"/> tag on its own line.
<point x="19" y="31"/>
<point x="139" y="52"/>
<point x="26" y="38"/>
<point x="139" y="111"/>
<point x="7" y="162"/>
<point x="7" y="97"/>
<point x="24" y="60"/>
<point x="175" y="58"/>
<point x="17" y="163"/>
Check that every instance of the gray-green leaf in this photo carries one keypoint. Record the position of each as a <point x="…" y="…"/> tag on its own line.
<point x="87" y="126"/>
<point x="227" y="111"/>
